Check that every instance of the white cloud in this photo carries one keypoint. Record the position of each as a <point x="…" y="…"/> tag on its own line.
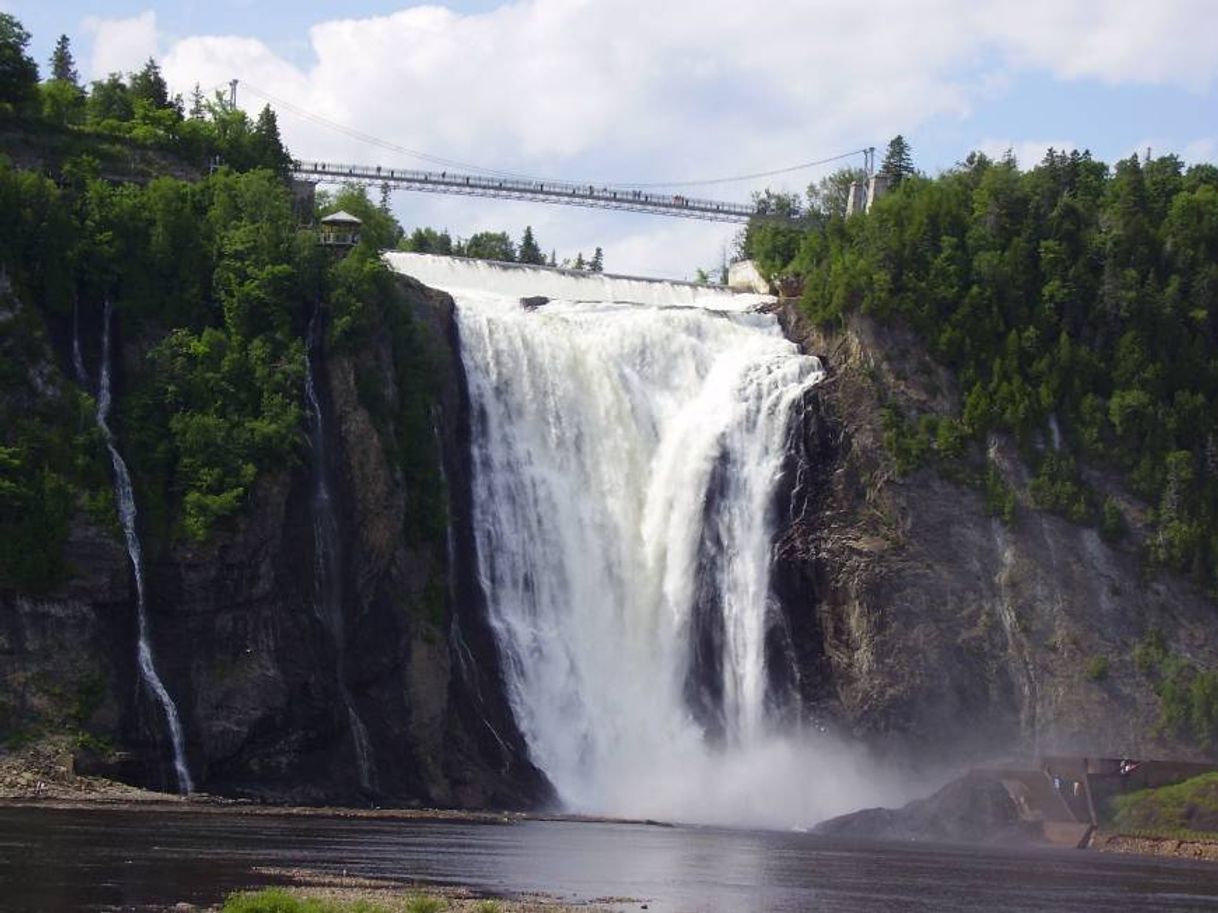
<point x="631" y="90"/>
<point x="1117" y="41"/>
<point x="1201" y="150"/>
<point x="120" y="45"/>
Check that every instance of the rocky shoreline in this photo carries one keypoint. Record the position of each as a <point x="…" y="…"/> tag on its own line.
<point x="1200" y="848"/>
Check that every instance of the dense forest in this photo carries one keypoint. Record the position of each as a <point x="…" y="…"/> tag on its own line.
<point x="1076" y="304"/>
<point x="216" y="278"/>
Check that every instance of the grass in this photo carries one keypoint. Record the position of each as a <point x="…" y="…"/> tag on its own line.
<point x="423" y="903"/>
<point x="1189" y="807"/>
<point x="277" y="900"/>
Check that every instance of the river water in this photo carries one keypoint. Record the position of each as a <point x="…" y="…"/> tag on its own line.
<point x="93" y="860"/>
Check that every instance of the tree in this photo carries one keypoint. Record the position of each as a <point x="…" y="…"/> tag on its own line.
<point x="579" y="261"/>
<point x="110" y="99"/>
<point x="267" y="147"/>
<point x="829" y="196"/>
<point x="553" y="261"/>
<point x="18" y="72"/>
<point x="898" y="161"/>
<point x="197" y="107"/>
<point x="597" y="263"/>
<point x="491" y="245"/>
<point x="150" y="85"/>
<point x="63" y="64"/>
<point x="428" y="241"/>
<point x="529" y="251"/>
<point x="62" y="102"/>
<point x="379" y="229"/>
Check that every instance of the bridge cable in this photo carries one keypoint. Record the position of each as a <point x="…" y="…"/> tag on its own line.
<point x="457" y="163"/>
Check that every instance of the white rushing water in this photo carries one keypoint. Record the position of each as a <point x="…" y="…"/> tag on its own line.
<point x="124" y="494"/>
<point x="627" y="440"/>
<point x="327" y="581"/>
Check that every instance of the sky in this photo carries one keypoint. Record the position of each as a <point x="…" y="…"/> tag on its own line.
<point x="639" y="91"/>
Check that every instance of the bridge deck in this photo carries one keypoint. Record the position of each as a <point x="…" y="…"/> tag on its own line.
<point x="559" y="192"/>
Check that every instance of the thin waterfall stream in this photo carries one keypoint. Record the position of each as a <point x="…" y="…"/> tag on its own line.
<point x="327" y="569"/>
<point x="628" y="444"/>
<point x="125" y="496"/>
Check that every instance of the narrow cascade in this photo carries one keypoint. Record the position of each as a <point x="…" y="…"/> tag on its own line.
<point x="78" y="360"/>
<point x="327" y="573"/>
<point x="626" y="456"/>
<point x="125" y="496"/>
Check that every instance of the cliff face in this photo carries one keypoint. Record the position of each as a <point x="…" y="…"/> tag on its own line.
<point x="932" y="628"/>
<point x="253" y="670"/>
<point x="921" y="623"/>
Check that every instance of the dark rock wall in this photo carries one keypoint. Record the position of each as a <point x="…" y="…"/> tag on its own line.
<point x="239" y="646"/>
<point x="937" y="631"/>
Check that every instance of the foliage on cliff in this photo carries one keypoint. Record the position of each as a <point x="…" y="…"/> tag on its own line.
<point x="1077" y="305"/>
<point x="1188" y="806"/>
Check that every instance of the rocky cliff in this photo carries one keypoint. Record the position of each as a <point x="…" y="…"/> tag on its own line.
<point x="935" y="629"/>
<point x="253" y="669"/>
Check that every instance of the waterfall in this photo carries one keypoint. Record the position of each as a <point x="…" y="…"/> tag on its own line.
<point x="628" y="441"/>
<point x="125" y="496"/>
<point x="327" y="573"/>
<point x="78" y="360"/>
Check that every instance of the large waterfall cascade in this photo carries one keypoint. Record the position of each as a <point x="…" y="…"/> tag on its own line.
<point x="628" y="440"/>
<point x="124" y="494"/>
<point x="327" y="580"/>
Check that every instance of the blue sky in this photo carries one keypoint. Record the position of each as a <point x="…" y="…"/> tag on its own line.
<point x="632" y="90"/>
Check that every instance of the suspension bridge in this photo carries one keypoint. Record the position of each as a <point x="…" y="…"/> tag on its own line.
<point x="466" y="181"/>
<point x="559" y="192"/>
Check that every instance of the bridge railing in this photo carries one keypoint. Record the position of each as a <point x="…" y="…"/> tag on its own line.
<point x="546" y="191"/>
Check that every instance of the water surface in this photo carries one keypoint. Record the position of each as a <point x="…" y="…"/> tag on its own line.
<point x="93" y="860"/>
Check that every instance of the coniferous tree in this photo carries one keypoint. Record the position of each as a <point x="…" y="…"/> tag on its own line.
<point x="597" y="263"/>
<point x="198" y="109"/>
<point x="268" y="148"/>
<point x="553" y="258"/>
<point x="898" y="161"/>
<point x="63" y="64"/>
<point x="529" y="251"/>
<point x="18" y="72"/>
<point x="150" y="85"/>
<point x="579" y="261"/>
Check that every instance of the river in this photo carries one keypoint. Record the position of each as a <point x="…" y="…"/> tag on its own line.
<point x="70" y="860"/>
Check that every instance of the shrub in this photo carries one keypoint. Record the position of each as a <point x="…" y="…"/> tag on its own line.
<point x="1096" y="669"/>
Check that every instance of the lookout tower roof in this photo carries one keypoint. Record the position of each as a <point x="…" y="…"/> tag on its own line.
<point x="342" y="217"/>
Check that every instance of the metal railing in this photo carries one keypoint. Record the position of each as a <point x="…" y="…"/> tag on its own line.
<point x="559" y="192"/>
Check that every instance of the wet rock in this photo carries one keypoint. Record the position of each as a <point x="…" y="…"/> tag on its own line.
<point x="968" y="810"/>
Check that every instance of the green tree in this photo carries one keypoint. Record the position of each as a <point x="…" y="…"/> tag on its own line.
<point x="18" y="72"/>
<point x="149" y="85"/>
<point x="266" y="146"/>
<point x="380" y="230"/>
<point x="579" y="261"/>
<point x="898" y="160"/>
<point x="597" y="263"/>
<point x="110" y="100"/>
<point x="490" y="245"/>
<point x="830" y="195"/>
<point x="529" y="251"/>
<point x="428" y="241"/>
<point x="62" y="102"/>
<point x="198" y="107"/>
<point x="63" y="64"/>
